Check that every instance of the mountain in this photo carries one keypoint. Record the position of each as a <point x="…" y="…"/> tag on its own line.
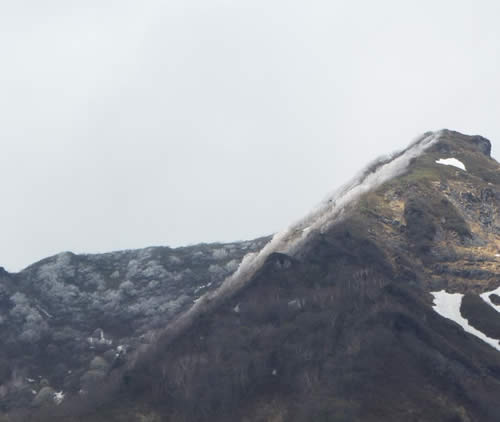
<point x="381" y="305"/>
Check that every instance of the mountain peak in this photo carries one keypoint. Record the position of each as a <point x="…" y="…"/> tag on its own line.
<point x="382" y="304"/>
<point x="476" y="142"/>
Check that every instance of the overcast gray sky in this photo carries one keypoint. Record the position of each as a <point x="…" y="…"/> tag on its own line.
<point x="125" y="124"/>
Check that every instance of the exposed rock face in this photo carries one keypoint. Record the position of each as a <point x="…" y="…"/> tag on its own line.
<point x="482" y="144"/>
<point x="343" y="327"/>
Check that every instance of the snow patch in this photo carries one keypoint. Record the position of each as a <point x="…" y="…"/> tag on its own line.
<point x="448" y="306"/>
<point x="486" y="297"/>
<point x="58" y="397"/>
<point x="452" y="162"/>
<point x="203" y="286"/>
<point x="100" y="339"/>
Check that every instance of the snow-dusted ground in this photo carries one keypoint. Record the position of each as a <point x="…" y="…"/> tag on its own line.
<point x="486" y="297"/>
<point x="452" y="162"/>
<point x="448" y="306"/>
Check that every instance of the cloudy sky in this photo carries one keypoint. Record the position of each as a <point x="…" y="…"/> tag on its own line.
<point x="125" y="124"/>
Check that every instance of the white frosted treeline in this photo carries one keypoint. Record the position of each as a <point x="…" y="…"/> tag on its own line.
<point x="330" y="211"/>
<point x="448" y="306"/>
<point x="452" y="162"/>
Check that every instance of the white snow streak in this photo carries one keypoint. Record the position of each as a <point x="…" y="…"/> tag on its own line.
<point x="452" y="162"/>
<point x="448" y="306"/>
<point x="331" y="211"/>
<point x="58" y="397"/>
<point x="486" y="297"/>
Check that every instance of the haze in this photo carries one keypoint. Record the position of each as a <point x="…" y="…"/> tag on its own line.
<point x="129" y="124"/>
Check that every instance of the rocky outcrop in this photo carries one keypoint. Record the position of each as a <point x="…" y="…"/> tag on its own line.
<point x="483" y="144"/>
<point x="451" y="138"/>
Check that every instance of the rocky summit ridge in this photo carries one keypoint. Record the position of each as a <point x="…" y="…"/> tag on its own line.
<point x="381" y="305"/>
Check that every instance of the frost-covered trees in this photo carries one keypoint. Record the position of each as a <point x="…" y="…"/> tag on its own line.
<point x="33" y="325"/>
<point x="56" y="305"/>
<point x="219" y="253"/>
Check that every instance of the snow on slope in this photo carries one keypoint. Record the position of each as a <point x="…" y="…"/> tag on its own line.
<point x="329" y="212"/>
<point x="452" y="162"/>
<point x="486" y="297"/>
<point x="448" y="306"/>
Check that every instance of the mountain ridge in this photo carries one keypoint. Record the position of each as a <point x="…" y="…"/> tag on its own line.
<point x="449" y="218"/>
<point x="336" y="313"/>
